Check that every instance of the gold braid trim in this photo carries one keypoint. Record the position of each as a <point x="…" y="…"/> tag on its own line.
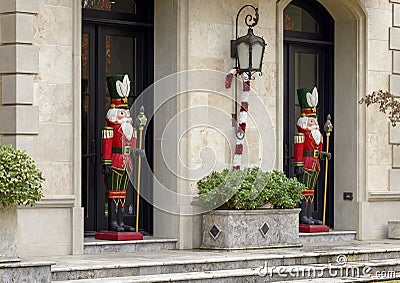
<point x="299" y="138"/>
<point x="107" y="133"/>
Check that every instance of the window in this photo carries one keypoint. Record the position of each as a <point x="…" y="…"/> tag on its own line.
<point x="123" y="6"/>
<point x="297" y="19"/>
<point x="307" y="19"/>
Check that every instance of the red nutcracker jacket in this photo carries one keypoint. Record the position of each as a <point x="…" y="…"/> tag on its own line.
<point x="116" y="148"/>
<point x="306" y="151"/>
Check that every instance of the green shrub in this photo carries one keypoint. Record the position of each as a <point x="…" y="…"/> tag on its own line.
<point x="249" y="189"/>
<point x="20" y="180"/>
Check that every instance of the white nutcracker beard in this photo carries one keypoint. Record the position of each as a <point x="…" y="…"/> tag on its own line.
<point x="316" y="134"/>
<point x="127" y="127"/>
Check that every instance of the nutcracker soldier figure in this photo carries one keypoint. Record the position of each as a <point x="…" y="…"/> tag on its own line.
<point x="307" y="151"/>
<point x="119" y="139"/>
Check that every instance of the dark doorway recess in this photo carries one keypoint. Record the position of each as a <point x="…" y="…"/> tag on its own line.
<point x="117" y="38"/>
<point x="309" y="62"/>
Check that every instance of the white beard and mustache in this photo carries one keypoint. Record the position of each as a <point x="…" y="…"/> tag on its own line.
<point x="316" y="134"/>
<point x="127" y="128"/>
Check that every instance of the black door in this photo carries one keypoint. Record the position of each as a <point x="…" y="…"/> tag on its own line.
<point x="308" y="62"/>
<point x="112" y="43"/>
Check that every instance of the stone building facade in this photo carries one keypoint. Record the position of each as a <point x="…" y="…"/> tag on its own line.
<point x="41" y="111"/>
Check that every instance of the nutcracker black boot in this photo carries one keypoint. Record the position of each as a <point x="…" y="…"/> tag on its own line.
<point x="120" y="216"/>
<point x="303" y="214"/>
<point x="310" y="209"/>
<point x="112" y="217"/>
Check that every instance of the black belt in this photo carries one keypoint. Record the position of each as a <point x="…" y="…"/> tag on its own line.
<point x="314" y="153"/>
<point x="126" y="150"/>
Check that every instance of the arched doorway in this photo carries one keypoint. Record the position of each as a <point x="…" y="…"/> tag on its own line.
<point x="117" y="38"/>
<point x="308" y="62"/>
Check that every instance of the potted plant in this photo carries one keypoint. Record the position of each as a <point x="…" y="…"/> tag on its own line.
<point x="20" y="184"/>
<point x="249" y="209"/>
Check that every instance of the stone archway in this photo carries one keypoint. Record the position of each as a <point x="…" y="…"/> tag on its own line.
<point x="350" y="84"/>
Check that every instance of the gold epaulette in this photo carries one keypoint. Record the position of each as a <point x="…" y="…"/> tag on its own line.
<point x="299" y="138"/>
<point x="107" y="133"/>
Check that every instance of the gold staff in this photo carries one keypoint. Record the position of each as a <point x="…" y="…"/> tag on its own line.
<point x="328" y="129"/>
<point x="141" y="121"/>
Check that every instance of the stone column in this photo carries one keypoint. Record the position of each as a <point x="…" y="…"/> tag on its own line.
<point x="20" y="61"/>
<point x="20" y="119"/>
<point x="394" y="138"/>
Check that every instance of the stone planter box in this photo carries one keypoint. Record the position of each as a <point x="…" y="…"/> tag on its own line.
<point x="394" y="229"/>
<point x="251" y="229"/>
<point x="8" y="233"/>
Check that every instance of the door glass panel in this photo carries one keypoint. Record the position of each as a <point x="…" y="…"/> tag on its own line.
<point x="297" y="19"/>
<point x="120" y="59"/>
<point x="123" y="6"/>
<point x="305" y="74"/>
<point x="85" y="118"/>
<point x="85" y="63"/>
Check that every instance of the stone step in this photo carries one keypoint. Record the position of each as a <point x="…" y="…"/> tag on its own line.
<point x="93" y="246"/>
<point x="25" y="271"/>
<point x="167" y="262"/>
<point x="331" y="236"/>
<point x="348" y="272"/>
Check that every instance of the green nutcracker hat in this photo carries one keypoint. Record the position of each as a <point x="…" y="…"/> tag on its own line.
<point x="119" y="87"/>
<point x="308" y="100"/>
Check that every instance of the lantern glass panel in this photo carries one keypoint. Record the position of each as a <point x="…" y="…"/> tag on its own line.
<point x="243" y="55"/>
<point x="257" y="56"/>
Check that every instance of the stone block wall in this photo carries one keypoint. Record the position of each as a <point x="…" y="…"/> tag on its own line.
<point x="37" y="94"/>
<point x="211" y="28"/>
<point x="383" y="182"/>
<point x="379" y="69"/>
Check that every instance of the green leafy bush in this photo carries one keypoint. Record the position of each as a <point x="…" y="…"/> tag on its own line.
<point x="249" y="189"/>
<point x="20" y="180"/>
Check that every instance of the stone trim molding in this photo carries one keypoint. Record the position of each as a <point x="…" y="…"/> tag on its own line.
<point x="396" y="156"/>
<point x="378" y="196"/>
<point x="55" y="201"/>
<point x="396" y="62"/>
<point x="396" y="15"/>
<point x="394" y="45"/>
<point x="394" y="38"/>
<point x="77" y="210"/>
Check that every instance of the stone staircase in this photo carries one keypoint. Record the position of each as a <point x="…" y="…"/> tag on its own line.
<point x="311" y="273"/>
<point x="351" y="261"/>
